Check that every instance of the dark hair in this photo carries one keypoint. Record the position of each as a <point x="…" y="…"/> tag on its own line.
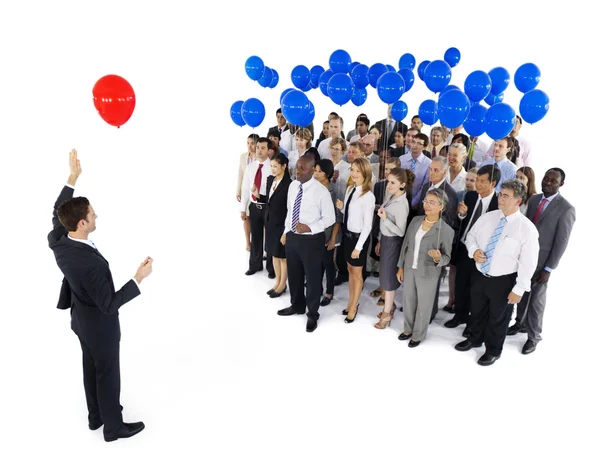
<point x="519" y="119"/>
<point x="424" y="138"/>
<point x="375" y="126"/>
<point x="274" y="133"/>
<point x="463" y="139"/>
<point x="72" y="211"/>
<point x="364" y="119"/>
<point x="514" y="152"/>
<point x="272" y="146"/>
<point x="530" y="174"/>
<point x="282" y="160"/>
<point x="493" y="172"/>
<point x="404" y="175"/>
<point x="415" y="117"/>
<point x="326" y="167"/>
<point x="278" y="111"/>
<point x="313" y="153"/>
<point x="559" y="170"/>
<point x="254" y="137"/>
<point x="444" y="151"/>
<point x="263" y="140"/>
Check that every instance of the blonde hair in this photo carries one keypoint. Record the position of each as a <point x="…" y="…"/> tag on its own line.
<point x="339" y="141"/>
<point x="364" y="167"/>
<point x="306" y="135"/>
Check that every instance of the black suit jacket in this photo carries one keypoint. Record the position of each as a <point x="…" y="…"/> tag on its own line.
<point x="450" y="213"/>
<point x="276" y="128"/>
<point x="277" y="209"/>
<point x="386" y="140"/>
<point x="87" y="287"/>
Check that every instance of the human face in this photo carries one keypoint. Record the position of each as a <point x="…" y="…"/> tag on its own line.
<point x="361" y="128"/>
<point x="304" y="171"/>
<point x="455" y="158"/>
<point x="326" y="129"/>
<point x="388" y="168"/>
<point x="353" y="153"/>
<point x="521" y="176"/>
<point x="251" y="145"/>
<point x="375" y="133"/>
<point x="507" y="201"/>
<point x="320" y="175"/>
<point x="416" y="146"/>
<point x="416" y="122"/>
<point x="551" y="183"/>
<point x="335" y="128"/>
<point x="515" y="131"/>
<point x="262" y="151"/>
<point x="275" y="140"/>
<point x="356" y="175"/>
<point x="436" y="172"/>
<point x="394" y="185"/>
<point x="88" y="224"/>
<point x="301" y="142"/>
<point x="369" y="143"/>
<point x="280" y="120"/>
<point x="336" y="151"/>
<point x="470" y="181"/>
<point x="436" y="137"/>
<point x="483" y="186"/>
<point x="500" y="149"/>
<point x="399" y="139"/>
<point x="432" y="205"/>
<point x="277" y="169"/>
<point x="410" y="135"/>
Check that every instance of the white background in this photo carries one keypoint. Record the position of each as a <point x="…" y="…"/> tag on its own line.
<point x="223" y="384"/>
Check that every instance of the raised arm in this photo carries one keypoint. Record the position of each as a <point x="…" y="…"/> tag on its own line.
<point x="66" y="193"/>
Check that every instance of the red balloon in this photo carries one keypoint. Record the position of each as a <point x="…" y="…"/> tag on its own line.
<point x="114" y="99"/>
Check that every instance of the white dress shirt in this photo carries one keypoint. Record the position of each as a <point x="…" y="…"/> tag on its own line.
<point x="516" y="251"/>
<point x="248" y="181"/>
<point x="287" y="141"/>
<point x="360" y="212"/>
<point x="418" y="237"/>
<point x="316" y="207"/>
<point x="460" y="181"/>
<point x="323" y="148"/>
<point x="485" y="204"/>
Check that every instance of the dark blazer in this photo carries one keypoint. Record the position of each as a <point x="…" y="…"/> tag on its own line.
<point x="450" y="213"/>
<point x="87" y="286"/>
<point x="554" y="227"/>
<point x="385" y="141"/>
<point x="276" y="128"/>
<point x="399" y="151"/>
<point x="277" y="209"/>
<point x="470" y="200"/>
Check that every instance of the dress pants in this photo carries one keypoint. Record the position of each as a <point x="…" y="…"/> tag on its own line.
<point x="530" y="310"/>
<point x="304" y="255"/>
<point x="465" y="267"/>
<point x="419" y="293"/>
<point x="489" y="315"/>
<point x="102" y="383"/>
<point x="258" y="214"/>
<point x="328" y="269"/>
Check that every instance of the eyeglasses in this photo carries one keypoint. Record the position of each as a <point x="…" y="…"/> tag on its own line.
<point x="432" y="203"/>
<point x="505" y="196"/>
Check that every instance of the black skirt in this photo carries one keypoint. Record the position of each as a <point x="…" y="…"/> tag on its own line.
<point x="349" y="244"/>
<point x="273" y="240"/>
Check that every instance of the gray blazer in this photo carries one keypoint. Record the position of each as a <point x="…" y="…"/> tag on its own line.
<point x="426" y="266"/>
<point x="554" y="227"/>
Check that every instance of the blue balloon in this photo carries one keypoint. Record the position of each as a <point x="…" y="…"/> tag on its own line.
<point x="474" y="125"/>
<point x="267" y="77"/>
<point x="255" y="68"/>
<point x="236" y="113"/>
<point x="310" y="116"/>
<point x="453" y="108"/>
<point x="354" y="64"/>
<point x="399" y="110"/>
<point x="527" y="77"/>
<point x="428" y="112"/>
<point x="340" y="61"/>
<point x="491" y="99"/>
<point x="500" y="80"/>
<point x="478" y="85"/>
<point x="284" y="93"/>
<point x="275" y="79"/>
<point x="359" y="96"/>
<point x="306" y="88"/>
<point x="340" y="88"/>
<point x="253" y="112"/>
<point x="315" y="74"/>
<point x="409" y="78"/>
<point x="375" y="72"/>
<point x="449" y="87"/>
<point x="300" y="76"/>
<point x="534" y="106"/>
<point x="295" y="106"/>
<point x="390" y="68"/>
<point x="499" y="120"/>
<point x="390" y="87"/>
<point x="422" y="68"/>
<point x="452" y="56"/>
<point x="323" y="80"/>
<point x="360" y="75"/>
<point x="407" y="61"/>
<point x="437" y="75"/>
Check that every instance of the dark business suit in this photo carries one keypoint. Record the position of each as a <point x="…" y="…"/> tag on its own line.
<point x="276" y="213"/>
<point x="386" y="140"/>
<point x="465" y="266"/>
<point x="88" y="290"/>
<point x="276" y="129"/>
<point x="554" y="227"/>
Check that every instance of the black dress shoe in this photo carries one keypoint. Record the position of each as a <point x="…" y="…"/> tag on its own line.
<point x="340" y="280"/>
<point x="290" y="311"/>
<point x="311" y="325"/>
<point x="487" y="360"/>
<point x="404" y="336"/>
<point x="95" y="425"/>
<point x="413" y="343"/>
<point x="325" y="301"/>
<point x="467" y="333"/>
<point x="529" y="347"/>
<point x="514" y="329"/>
<point x="347" y="320"/>
<point x="128" y="429"/>
<point x="453" y="323"/>
<point x="251" y="272"/>
<point x="270" y="291"/>
<point x="466" y="345"/>
<point x="271" y="276"/>
<point x="376" y="274"/>
<point x="449" y="309"/>
<point x="274" y="294"/>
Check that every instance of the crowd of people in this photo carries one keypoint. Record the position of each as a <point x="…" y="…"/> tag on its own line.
<point x="387" y="200"/>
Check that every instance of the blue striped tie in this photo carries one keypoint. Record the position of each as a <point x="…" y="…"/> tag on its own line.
<point x="489" y="250"/>
<point x="296" y="210"/>
<point x="413" y="164"/>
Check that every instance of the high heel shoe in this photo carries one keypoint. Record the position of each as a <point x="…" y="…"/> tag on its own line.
<point x="347" y="320"/>
<point x="384" y="321"/>
<point x="274" y="294"/>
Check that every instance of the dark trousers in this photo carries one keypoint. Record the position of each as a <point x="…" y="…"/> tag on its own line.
<point x="328" y="269"/>
<point x="489" y="315"/>
<point x="465" y="269"/>
<point x="258" y="214"/>
<point x="304" y="255"/>
<point x="102" y="383"/>
<point x="340" y="262"/>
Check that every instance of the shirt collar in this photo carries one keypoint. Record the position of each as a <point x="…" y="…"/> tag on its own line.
<point x="550" y="198"/>
<point x="84" y="241"/>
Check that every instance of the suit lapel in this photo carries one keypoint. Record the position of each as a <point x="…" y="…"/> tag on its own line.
<point x="553" y="204"/>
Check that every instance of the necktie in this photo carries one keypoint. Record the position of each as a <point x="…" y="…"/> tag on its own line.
<point x="347" y="210"/>
<point x="296" y="210"/>
<point x="390" y="127"/>
<point x="474" y="218"/>
<point x="413" y="164"/>
<point x="433" y="152"/>
<point x="258" y="179"/>
<point x="471" y="150"/>
<point x="489" y="250"/>
<point x="538" y="211"/>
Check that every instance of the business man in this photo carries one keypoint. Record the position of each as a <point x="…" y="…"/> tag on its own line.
<point x="89" y="292"/>
<point x="554" y="218"/>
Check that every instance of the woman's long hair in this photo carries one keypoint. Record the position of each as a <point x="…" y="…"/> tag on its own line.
<point x="364" y="167"/>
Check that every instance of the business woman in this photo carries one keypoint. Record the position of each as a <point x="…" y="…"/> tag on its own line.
<point x="246" y="158"/>
<point x="425" y="251"/>
<point x="527" y="176"/>
<point x="303" y="140"/>
<point x="358" y="208"/>
<point x="277" y="188"/>
<point x="393" y="215"/>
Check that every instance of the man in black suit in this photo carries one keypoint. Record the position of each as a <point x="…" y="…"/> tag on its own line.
<point x="475" y="204"/>
<point x="388" y="128"/>
<point x="281" y="124"/>
<point x="89" y="292"/>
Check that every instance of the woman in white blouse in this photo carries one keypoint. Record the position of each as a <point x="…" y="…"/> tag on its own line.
<point x="457" y="175"/>
<point x="303" y="143"/>
<point x="246" y="158"/>
<point x="358" y="208"/>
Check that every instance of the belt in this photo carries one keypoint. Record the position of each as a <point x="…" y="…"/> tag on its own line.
<point x="351" y="235"/>
<point x="259" y="205"/>
<point x="488" y="276"/>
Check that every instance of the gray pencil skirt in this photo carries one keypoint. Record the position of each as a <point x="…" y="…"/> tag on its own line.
<point x="389" y="252"/>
